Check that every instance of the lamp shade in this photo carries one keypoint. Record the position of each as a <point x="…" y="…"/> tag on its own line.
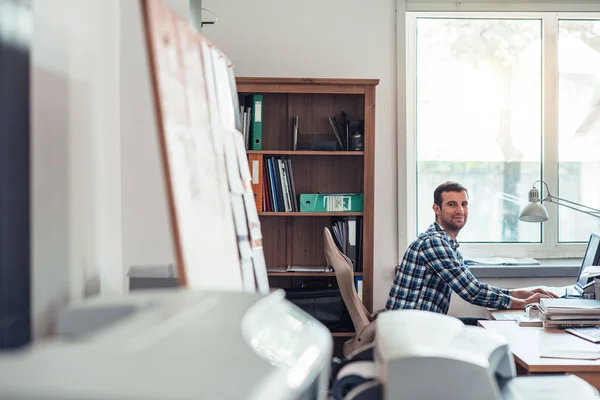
<point x="534" y="211"/>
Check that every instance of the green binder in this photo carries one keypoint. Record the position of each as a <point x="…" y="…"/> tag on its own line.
<point x="331" y="202"/>
<point x="255" y="103"/>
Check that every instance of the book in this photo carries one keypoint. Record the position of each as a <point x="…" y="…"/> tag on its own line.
<point x="570" y="306"/>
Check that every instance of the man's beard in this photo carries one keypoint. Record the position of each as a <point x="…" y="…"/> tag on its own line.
<point x="450" y="224"/>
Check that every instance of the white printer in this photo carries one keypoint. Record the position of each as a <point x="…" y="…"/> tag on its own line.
<point x="424" y="355"/>
<point x="175" y="344"/>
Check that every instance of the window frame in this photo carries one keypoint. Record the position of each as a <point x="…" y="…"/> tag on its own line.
<point x="407" y="195"/>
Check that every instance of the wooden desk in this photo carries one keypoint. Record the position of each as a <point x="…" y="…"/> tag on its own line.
<point x="524" y="343"/>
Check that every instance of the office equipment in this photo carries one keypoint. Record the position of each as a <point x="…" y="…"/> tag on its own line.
<point x="584" y="286"/>
<point x="16" y="178"/>
<point x="591" y="333"/>
<point x="294" y="238"/>
<point x="535" y="211"/>
<point x="175" y="344"/>
<point x="152" y="276"/>
<point x="424" y="355"/>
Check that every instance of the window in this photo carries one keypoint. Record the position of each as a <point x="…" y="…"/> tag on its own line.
<point x="578" y="125"/>
<point x="497" y="102"/>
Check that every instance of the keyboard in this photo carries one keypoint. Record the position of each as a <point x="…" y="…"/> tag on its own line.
<point x="588" y="333"/>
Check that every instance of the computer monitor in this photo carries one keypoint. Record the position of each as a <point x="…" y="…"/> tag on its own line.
<point x="590" y="258"/>
<point x="15" y="186"/>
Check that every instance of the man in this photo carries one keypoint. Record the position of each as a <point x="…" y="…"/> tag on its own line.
<point x="432" y="266"/>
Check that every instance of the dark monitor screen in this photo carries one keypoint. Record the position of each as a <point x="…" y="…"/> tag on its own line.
<point x="590" y="258"/>
<point x="15" y="288"/>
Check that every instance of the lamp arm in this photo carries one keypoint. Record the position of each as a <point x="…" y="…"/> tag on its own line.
<point x="573" y="205"/>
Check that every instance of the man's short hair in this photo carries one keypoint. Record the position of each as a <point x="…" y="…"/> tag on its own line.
<point x="449" y="186"/>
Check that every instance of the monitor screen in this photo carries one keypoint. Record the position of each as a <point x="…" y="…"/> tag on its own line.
<point x="590" y="258"/>
<point x="15" y="245"/>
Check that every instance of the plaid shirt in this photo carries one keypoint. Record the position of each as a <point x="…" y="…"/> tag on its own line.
<point x="431" y="269"/>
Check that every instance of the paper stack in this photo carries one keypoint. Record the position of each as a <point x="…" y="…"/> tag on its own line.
<point x="569" y="313"/>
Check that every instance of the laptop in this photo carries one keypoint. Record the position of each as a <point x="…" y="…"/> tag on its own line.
<point x="584" y="280"/>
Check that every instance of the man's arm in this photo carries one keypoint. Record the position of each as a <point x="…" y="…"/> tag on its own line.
<point x="440" y="257"/>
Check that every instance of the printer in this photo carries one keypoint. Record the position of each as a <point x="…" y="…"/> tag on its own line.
<point x="425" y="355"/>
<point x="175" y="344"/>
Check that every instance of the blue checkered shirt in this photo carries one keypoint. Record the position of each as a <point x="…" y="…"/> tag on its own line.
<point x="431" y="269"/>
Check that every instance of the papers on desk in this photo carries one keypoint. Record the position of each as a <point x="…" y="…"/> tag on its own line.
<point x="573" y="354"/>
<point x="501" y="261"/>
<point x="560" y="344"/>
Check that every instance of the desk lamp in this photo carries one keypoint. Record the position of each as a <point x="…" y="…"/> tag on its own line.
<point x="535" y="211"/>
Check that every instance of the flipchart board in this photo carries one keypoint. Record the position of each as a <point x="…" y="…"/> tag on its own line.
<point x="217" y="239"/>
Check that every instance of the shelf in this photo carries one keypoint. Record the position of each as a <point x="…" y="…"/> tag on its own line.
<point x="306" y="274"/>
<point x="296" y="238"/>
<point x="306" y="153"/>
<point x="310" y="214"/>
<point x="342" y="334"/>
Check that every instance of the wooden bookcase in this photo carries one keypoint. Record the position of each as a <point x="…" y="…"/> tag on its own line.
<point x="296" y="238"/>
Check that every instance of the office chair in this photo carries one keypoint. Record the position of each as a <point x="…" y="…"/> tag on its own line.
<point x="363" y="321"/>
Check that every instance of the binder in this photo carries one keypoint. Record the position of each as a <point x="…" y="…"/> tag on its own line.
<point x="273" y="185"/>
<point x="352" y="239"/>
<point x="255" y="101"/>
<point x="255" y="162"/>
<point x="268" y="205"/>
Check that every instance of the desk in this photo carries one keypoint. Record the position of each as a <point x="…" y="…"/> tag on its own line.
<point x="524" y="343"/>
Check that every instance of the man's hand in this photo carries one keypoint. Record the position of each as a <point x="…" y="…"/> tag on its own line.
<point x="527" y="293"/>
<point x="519" y="304"/>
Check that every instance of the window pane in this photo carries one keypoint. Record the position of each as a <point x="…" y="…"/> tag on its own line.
<point x="478" y="120"/>
<point x="578" y="125"/>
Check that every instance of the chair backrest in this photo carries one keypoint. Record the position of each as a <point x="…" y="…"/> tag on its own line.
<point x="345" y="278"/>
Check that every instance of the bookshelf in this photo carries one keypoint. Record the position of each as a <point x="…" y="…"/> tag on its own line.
<point x="296" y="238"/>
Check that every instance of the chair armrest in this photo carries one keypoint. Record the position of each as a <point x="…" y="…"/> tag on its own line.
<point x="376" y="313"/>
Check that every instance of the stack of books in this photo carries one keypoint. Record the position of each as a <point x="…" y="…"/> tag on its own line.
<point x="569" y="313"/>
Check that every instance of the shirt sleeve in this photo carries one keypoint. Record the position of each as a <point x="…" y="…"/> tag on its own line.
<point x="441" y="258"/>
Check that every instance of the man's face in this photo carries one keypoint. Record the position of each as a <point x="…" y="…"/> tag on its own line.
<point x="453" y="213"/>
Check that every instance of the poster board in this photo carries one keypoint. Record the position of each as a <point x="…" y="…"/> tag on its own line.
<point x="197" y="188"/>
<point x="217" y="239"/>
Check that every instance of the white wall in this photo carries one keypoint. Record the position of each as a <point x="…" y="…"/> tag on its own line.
<point x="326" y="39"/>
<point x="89" y="150"/>
<point x="76" y="197"/>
